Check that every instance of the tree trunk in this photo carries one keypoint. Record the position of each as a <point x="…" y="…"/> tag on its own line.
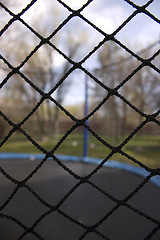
<point x="56" y="121"/>
<point x="41" y="125"/>
<point x="124" y="119"/>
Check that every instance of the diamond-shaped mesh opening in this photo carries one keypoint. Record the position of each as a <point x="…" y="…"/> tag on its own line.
<point x="118" y="182"/>
<point x="50" y="55"/>
<point x="110" y="58"/>
<point x="147" y="190"/>
<point x="43" y="77"/>
<point x="106" y="10"/>
<point x="18" y="202"/>
<point x="123" y="232"/>
<point x="87" y="215"/>
<point x="48" y="179"/>
<point x="13" y="38"/>
<point x="57" y="223"/>
<point x="50" y="13"/>
<point x="42" y="127"/>
<point x="82" y="41"/>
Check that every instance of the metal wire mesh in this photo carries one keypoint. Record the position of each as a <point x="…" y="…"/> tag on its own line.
<point x="78" y="122"/>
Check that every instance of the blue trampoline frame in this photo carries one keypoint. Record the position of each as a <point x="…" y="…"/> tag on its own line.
<point x="110" y="163"/>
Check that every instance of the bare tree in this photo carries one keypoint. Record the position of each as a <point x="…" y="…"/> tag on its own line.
<point x="109" y="76"/>
<point x="40" y="69"/>
<point x="141" y="90"/>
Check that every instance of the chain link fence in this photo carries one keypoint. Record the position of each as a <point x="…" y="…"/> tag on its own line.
<point x="147" y="118"/>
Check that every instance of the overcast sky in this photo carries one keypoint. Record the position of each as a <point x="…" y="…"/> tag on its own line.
<point x="108" y="15"/>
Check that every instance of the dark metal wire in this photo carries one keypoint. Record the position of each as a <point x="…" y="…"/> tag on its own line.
<point x="78" y="122"/>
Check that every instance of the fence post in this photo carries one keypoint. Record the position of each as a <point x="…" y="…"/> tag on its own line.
<point x="85" y="136"/>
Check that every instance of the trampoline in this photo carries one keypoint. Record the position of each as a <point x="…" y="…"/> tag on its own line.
<point x="50" y="207"/>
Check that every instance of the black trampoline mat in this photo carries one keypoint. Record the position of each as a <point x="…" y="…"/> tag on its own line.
<point x="86" y="205"/>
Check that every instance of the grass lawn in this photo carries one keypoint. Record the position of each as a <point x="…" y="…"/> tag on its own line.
<point x="145" y="149"/>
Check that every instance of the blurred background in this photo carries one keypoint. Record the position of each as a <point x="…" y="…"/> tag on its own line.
<point x="111" y="64"/>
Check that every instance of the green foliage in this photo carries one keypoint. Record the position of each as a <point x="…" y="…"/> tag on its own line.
<point x="145" y="149"/>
